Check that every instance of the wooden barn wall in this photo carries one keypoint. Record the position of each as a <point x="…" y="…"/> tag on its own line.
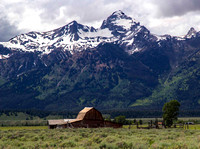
<point x="93" y="115"/>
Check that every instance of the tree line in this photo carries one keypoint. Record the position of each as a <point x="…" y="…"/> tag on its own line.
<point x="128" y="113"/>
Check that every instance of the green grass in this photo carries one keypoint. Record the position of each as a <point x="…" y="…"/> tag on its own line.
<point x="24" y="128"/>
<point x="194" y="127"/>
<point x="41" y="137"/>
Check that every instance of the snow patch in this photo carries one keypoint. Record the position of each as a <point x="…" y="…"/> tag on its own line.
<point x="4" y="56"/>
<point x="134" y="51"/>
<point x="125" y="23"/>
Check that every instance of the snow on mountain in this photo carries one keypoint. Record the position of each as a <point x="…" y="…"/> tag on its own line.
<point x="66" y="37"/>
<point x="2" y="56"/>
<point x="117" y="28"/>
<point x="76" y="37"/>
<point x="118" y="22"/>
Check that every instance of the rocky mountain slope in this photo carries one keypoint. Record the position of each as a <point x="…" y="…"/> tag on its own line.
<point x="119" y="65"/>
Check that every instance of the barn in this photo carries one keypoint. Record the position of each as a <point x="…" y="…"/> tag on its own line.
<point x="89" y="117"/>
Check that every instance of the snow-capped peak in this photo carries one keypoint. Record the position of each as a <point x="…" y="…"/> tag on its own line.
<point x="119" y="14"/>
<point x="117" y="28"/>
<point x="118" y="21"/>
<point x="191" y="33"/>
<point x="72" y="29"/>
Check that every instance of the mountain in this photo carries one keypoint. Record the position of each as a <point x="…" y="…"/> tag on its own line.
<point x="192" y="33"/>
<point x="75" y="37"/>
<point x="121" y="64"/>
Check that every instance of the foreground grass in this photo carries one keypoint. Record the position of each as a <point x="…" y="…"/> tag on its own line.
<point x="99" y="138"/>
<point x="23" y="128"/>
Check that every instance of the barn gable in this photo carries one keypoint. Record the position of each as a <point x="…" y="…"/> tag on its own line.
<point x="89" y="113"/>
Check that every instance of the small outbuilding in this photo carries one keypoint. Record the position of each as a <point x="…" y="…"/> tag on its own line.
<point x="89" y="117"/>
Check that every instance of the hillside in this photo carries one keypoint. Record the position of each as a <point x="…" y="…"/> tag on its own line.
<point x="119" y="65"/>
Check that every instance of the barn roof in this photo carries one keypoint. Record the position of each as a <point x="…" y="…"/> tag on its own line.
<point x="56" y="122"/>
<point x="83" y="112"/>
<point x="86" y="109"/>
<point x="61" y="121"/>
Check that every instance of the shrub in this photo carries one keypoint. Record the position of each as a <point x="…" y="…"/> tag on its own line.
<point x="120" y="119"/>
<point x="97" y="140"/>
<point x="68" y="144"/>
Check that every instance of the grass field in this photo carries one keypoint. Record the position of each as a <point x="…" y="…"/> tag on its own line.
<point x="24" y="128"/>
<point x="41" y="137"/>
<point x="196" y="120"/>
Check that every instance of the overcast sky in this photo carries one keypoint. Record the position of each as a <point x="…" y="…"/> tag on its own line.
<point x="173" y="17"/>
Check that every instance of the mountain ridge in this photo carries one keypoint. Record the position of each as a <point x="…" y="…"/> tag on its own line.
<point x="118" y="27"/>
<point x="78" y="36"/>
<point x="119" y="65"/>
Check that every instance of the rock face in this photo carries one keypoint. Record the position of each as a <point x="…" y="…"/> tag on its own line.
<point x="119" y="65"/>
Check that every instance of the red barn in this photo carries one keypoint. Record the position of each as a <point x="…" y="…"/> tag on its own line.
<point x="89" y="117"/>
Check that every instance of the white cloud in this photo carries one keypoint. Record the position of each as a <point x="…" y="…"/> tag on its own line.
<point x="160" y="17"/>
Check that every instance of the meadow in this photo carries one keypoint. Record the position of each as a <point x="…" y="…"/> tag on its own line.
<point x="100" y="138"/>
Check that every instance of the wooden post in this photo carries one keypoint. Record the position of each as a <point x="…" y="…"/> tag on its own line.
<point x="156" y="123"/>
<point x="163" y="124"/>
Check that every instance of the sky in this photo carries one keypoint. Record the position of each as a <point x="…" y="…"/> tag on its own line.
<point x="174" y="17"/>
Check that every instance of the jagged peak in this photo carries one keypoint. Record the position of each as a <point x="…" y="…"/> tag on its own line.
<point x="118" y="13"/>
<point x="118" y="18"/>
<point x="191" y="33"/>
<point x="80" y="26"/>
<point x="192" y="30"/>
<point x="73" y="23"/>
